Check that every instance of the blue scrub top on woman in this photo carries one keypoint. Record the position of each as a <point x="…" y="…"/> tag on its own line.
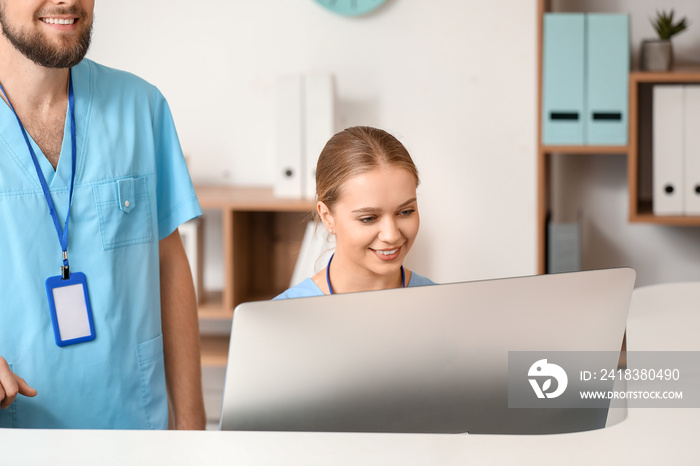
<point x="132" y="189"/>
<point x="309" y="288"/>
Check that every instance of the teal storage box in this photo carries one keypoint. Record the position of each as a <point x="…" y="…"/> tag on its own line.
<point x="563" y="78"/>
<point x="585" y="73"/>
<point x="607" y="78"/>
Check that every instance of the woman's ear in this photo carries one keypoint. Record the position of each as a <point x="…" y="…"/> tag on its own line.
<point x="326" y="216"/>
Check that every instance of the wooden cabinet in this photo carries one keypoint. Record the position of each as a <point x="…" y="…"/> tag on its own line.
<point x="261" y="238"/>
<point x="637" y="151"/>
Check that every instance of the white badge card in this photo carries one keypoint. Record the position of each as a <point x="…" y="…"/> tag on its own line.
<point x="70" y="309"/>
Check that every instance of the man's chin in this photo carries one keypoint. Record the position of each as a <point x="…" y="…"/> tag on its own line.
<point x="63" y="53"/>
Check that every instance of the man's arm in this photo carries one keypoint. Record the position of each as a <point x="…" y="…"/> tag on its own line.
<point x="183" y="372"/>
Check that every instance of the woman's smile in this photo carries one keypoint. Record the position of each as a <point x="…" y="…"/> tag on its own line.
<point x="387" y="254"/>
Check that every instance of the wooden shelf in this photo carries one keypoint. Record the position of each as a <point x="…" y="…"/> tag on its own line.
<point x="678" y="75"/>
<point x="212" y="307"/>
<point x="669" y="220"/>
<point x="612" y="150"/>
<point x="259" y="199"/>
<point x="261" y="238"/>
<point x="645" y="214"/>
<point x="214" y="350"/>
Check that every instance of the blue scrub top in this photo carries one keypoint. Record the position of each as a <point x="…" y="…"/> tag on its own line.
<point x="308" y="287"/>
<point x="127" y="150"/>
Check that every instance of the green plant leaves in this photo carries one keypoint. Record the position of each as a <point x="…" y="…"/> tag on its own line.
<point x="665" y="27"/>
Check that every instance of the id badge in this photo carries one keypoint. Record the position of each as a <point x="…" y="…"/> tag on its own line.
<point x="70" y="309"/>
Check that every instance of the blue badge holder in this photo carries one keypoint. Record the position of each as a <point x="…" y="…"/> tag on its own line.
<point x="86" y="329"/>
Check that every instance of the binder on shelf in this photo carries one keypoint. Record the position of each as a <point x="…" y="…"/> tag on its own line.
<point x="607" y="72"/>
<point x="667" y="147"/>
<point x="319" y="117"/>
<point x="288" y="180"/>
<point x="563" y="247"/>
<point x="691" y="116"/>
<point x="563" y="79"/>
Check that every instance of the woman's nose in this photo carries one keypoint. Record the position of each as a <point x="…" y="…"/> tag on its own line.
<point x="389" y="232"/>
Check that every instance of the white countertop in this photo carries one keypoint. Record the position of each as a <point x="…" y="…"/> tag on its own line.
<point x="649" y="436"/>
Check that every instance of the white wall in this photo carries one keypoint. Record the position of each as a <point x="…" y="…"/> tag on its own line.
<point x="453" y="79"/>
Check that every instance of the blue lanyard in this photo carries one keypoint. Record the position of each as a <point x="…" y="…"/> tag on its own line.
<point x="328" y="276"/>
<point x="62" y="232"/>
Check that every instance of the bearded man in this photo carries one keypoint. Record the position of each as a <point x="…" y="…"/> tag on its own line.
<point x="98" y="326"/>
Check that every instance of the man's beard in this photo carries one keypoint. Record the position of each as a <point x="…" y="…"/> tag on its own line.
<point x="35" y="46"/>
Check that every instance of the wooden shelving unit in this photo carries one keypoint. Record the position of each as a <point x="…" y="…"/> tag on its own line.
<point x="640" y="85"/>
<point x="640" y="209"/>
<point x="261" y="238"/>
<point x="546" y="152"/>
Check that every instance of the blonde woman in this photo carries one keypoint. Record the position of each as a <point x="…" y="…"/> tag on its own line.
<point x="366" y="189"/>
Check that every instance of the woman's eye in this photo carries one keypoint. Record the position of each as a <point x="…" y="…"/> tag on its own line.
<point x="367" y="219"/>
<point x="407" y="212"/>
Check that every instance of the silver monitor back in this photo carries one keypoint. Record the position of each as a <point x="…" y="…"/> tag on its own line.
<point x="428" y="359"/>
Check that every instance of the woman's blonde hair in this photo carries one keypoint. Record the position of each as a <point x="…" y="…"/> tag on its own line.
<point x="354" y="151"/>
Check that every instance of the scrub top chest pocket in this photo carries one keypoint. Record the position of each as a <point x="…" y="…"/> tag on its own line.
<point x="125" y="212"/>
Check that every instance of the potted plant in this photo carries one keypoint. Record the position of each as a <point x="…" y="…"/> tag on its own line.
<point x="657" y="54"/>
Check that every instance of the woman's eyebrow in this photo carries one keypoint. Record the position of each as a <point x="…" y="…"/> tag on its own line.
<point x="370" y="210"/>
<point x="410" y="201"/>
<point x="367" y="210"/>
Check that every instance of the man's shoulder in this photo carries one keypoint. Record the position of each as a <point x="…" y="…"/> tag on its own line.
<point x="112" y="79"/>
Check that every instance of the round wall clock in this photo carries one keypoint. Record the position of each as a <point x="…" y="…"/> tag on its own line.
<point x="351" y="7"/>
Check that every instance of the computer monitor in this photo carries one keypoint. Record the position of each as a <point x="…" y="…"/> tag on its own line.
<point x="428" y="359"/>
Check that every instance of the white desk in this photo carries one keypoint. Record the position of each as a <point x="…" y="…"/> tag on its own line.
<point x="648" y="436"/>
